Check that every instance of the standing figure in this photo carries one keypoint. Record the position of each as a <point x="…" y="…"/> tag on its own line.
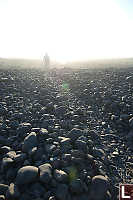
<point x="46" y="61"/>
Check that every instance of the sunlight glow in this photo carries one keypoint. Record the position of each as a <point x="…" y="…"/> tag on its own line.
<point x="66" y="29"/>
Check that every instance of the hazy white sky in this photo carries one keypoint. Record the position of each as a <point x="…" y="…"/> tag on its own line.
<point x="66" y="29"/>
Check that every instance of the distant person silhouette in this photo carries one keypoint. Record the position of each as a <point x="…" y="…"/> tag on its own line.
<point x="46" y="61"/>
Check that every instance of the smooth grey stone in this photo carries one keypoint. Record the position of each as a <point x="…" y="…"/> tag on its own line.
<point x="83" y="138"/>
<point x="20" y="157"/>
<point x="60" y="176"/>
<point x="26" y="175"/>
<point x="32" y="152"/>
<point x="11" y="174"/>
<point x="6" y="164"/>
<point x="99" y="187"/>
<point x="81" y="145"/>
<point x="37" y="189"/>
<point x="66" y="157"/>
<point x="11" y="154"/>
<point x="3" y="140"/>
<point x="29" y="142"/>
<point x="5" y="149"/>
<point x="50" y="148"/>
<point x="60" y="110"/>
<point x="45" y="173"/>
<point x="55" y="162"/>
<point x="36" y="153"/>
<point x="45" y="124"/>
<point x="23" y="128"/>
<point x="94" y="135"/>
<point x="98" y="153"/>
<point x="14" y="124"/>
<point x="43" y="133"/>
<point x="74" y="134"/>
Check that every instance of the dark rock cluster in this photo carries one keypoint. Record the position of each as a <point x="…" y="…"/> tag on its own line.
<point x="65" y="134"/>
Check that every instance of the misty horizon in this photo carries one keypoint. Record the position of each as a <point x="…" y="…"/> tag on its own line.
<point x="69" y="61"/>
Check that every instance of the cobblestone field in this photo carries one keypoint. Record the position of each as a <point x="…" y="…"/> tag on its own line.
<point x="65" y="134"/>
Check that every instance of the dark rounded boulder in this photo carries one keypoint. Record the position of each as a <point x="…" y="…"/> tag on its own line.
<point x="26" y="175"/>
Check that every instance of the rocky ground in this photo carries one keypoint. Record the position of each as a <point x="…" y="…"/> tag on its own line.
<point x="65" y="134"/>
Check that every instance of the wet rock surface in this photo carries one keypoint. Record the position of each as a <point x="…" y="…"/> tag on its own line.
<point x="65" y="134"/>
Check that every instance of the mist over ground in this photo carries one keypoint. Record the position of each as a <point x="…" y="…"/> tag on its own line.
<point x="36" y="63"/>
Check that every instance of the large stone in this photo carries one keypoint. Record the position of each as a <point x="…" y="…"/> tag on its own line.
<point x="11" y="154"/>
<point x="37" y="189"/>
<point x="5" y="149"/>
<point x="45" y="173"/>
<point x="11" y="174"/>
<point x="43" y="133"/>
<point x="6" y="164"/>
<point x="90" y="159"/>
<point x="3" y="140"/>
<point x="81" y="145"/>
<point x="36" y="153"/>
<point x="99" y="187"/>
<point x="60" y="111"/>
<point x="65" y="145"/>
<point x="24" y="128"/>
<point x="50" y="148"/>
<point x="98" y="153"/>
<point x="66" y="158"/>
<point x="60" y="176"/>
<point x="20" y="157"/>
<point x="26" y="175"/>
<point x="74" y="134"/>
<point x="29" y="142"/>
